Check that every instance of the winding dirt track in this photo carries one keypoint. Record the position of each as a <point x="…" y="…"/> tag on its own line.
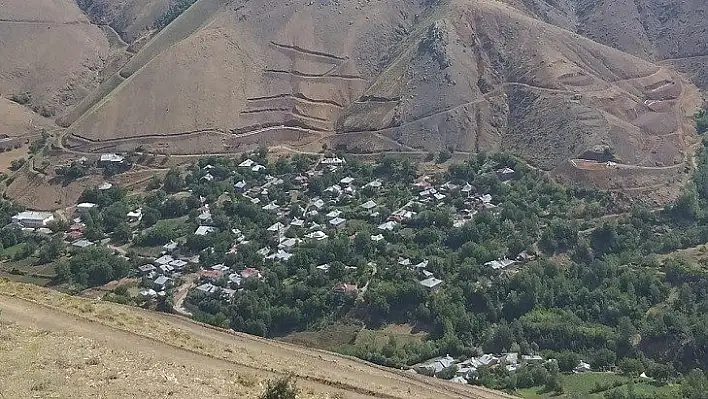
<point x="179" y="340"/>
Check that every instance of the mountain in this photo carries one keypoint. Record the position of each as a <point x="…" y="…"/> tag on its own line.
<point x="553" y="81"/>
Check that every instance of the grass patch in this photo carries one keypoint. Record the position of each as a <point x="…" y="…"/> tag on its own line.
<point x="586" y="385"/>
<point x="40" y="281"/>
<point x="148" y="251"/>
<point x="329" y="337"/>
<point x="10" y="252"/>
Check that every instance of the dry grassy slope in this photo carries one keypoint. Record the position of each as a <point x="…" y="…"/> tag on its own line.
<point x="172" y="354"/>
<point x="48" y="48"/>
<point x="17" y="121"/>
<point x="473" y="76"/>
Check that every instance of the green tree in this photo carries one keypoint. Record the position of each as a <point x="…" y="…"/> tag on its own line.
<point x="122" y="233"/>
<point x="702" y="121"/>
<point x="603" y="359"/>
<point x="631" y="367"/>
<point x="174" y="181"/>
<point x="567" y="361"/>
<point x="150" y="216"/>
<point x="51" y="250"/>
<point x="444" y="156"/>
<point x="62" y="271"/>
<point x="694" y="385"/>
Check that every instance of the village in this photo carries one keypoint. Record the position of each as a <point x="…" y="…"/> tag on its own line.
<point x="300" y="219"/>
<point x="221" y="229"/>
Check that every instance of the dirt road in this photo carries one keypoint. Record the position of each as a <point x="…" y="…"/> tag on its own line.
<point x="181" y="294"/>
<point x="179" y="340"/>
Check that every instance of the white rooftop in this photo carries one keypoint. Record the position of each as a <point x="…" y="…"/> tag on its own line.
<point x="431" y="282"/>
<point x="204" y="230"/>
<point x="369" y="205"/>
<point x="111" y="157"/>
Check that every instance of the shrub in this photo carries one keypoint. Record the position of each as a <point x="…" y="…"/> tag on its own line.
<point x="702" y="121"/>
<point x="22" y="98"/>
<point x="282" y="388"/>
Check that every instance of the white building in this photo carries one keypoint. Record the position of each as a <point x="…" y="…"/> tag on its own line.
<point x="431" y="283"/>
<point x="204" y="230"/>
<point x="388" y="226"/>
<point x="369" y="205"/>
<point x="111" y="158"/>
<point x="33" y="219"/>
<point x="318" y="235"/>
<point x="247" y="163"/>
<point x="337" y="222"/>
<point x="333" y="161"/>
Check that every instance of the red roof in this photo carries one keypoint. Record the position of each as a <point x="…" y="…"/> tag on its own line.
<point x="250" y="272"/>
<point x="212" y="274"/>
<point x="77" y="226"/>
<point x="74" y="235"/>
<point x="346" y="288"/>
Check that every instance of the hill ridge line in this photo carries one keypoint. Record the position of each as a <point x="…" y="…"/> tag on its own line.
<point x="400" y="376"/>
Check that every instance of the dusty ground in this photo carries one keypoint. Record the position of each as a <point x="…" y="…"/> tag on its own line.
<point x="184" y="345"/>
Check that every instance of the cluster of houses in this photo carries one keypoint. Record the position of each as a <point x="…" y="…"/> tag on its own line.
<point x="300" y="219"/>
<point x="223" y="281"/>
<point x="464" y="371"/>
<point x="160" y="275"/>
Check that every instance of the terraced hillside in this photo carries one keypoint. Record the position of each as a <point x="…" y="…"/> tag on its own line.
<point x="387" y="76"/>
<point x="551" y="82"/>
<point x="669" y="32"/>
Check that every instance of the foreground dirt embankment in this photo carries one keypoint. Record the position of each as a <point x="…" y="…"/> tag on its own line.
<point x="65" y="346"/>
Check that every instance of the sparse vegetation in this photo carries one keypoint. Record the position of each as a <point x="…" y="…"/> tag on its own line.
<point x="16" y="164"/>
<point x="702" y="121"/>
<point x="22" y="98"/>
<point x="281" y="388"/>
<point x="36" y="145"/>
<point x="172" y="13"/>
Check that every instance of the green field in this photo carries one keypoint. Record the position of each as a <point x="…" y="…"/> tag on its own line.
<point x="585" y="386"/>
<point x="43" y="282"/>
<point x="10" y="252"/>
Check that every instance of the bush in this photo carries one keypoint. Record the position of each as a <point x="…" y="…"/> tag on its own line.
<point x="22" y="98"/>
<point x="631" y="367"/>
<point x="282" y="388"/>
<point x="702" y="121"/>
<point x="172" y="13"/>
<point x="444" y="156"/>
<point x="16" y="164"/>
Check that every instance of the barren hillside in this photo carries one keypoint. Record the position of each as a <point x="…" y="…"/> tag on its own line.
<point x="388" y="76"/>
<point x="551" y="81"/>
<point x="70" y="347"/>
<point x="49" y="52"/>
<point x="131" y="19"/>
<point x="666" y="31"/>
<point x="18" y="121"/>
